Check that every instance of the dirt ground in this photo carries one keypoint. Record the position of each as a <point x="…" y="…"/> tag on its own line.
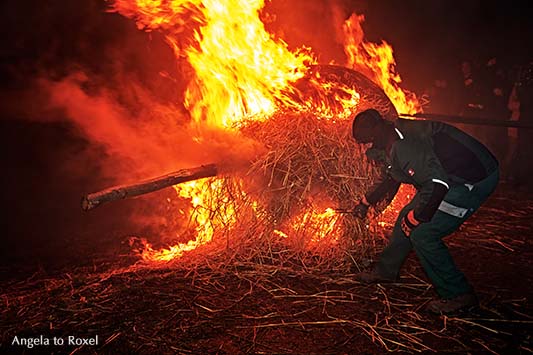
<point x="68" y="273"/>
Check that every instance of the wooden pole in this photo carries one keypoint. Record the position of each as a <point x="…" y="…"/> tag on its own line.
<point x="120" y="192"/>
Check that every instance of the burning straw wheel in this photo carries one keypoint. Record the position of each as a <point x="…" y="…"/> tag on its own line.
<point x="329" y="85"/>
<point x="313" y="165"/>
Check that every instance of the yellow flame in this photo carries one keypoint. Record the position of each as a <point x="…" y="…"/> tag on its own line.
<point x="241" y="70"/>
<point x="377" y="62"/>
<point x="204" y="216"/>
<point x="166" y="254"/>
<point x="322" y="223"/>
<point x="327" y="92"/>
<point x="312" y="225"/>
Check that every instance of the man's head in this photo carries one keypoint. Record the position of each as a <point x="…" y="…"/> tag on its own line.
<point x="367" y="126"/>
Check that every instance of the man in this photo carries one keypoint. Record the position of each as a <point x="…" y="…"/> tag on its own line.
<point x="453" y="174"/>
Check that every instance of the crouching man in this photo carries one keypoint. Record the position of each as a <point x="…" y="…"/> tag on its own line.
<point x="453" y="174"/>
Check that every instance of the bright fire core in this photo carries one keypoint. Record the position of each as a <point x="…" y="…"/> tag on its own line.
<point x="243" y="72"/>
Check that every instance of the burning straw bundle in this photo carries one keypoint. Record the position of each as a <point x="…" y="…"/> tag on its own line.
<point x="291" y="204"/>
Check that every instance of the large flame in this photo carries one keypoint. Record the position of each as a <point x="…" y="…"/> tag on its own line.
<point x="243" y="72"/>
<point x="240" y="69"/>
<point x="377" y="62"/>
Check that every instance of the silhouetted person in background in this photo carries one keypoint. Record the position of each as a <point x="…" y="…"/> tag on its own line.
<point x="510" y="167"/>
<point x="524" y="160"/>
<point x="497" y="88"/>
<point x="441" y="98"/>
<point x="472" y="99"/>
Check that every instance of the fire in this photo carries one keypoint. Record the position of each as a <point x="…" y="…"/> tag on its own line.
<point x="203" y="215"/>
<point x="243" y="72"/>
<point x="240" y="69"/>
<point x="320" y="222"/>
<point x="312" y="225"/>
<point x="171" y="253"/>
<point x="377" y="62"/>
<point x="346" y="97"/>
<point x="198" y="192"/>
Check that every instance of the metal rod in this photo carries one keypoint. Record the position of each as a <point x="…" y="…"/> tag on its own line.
<point x="479" y="121"/>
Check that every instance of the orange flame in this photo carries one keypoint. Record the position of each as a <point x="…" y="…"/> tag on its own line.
<point x="166" y="254"/>
<point x="241" y="71"/>
<point x="202" y="216"/>
<point x="321" y="223"/>
<point x="377" y="62"/>
<point x="312" y="225"/>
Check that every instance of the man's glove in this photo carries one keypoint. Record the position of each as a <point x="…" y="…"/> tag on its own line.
<point x="360" y="210"/>
<point x="376" y="155"/>
<point x="409" y="222"/>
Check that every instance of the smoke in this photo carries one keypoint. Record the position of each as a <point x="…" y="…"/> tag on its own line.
<point x="146" y="137"/>
<point x="123" y="89"/>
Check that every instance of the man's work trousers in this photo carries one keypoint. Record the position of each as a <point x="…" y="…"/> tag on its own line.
<point x="426" y="239"/>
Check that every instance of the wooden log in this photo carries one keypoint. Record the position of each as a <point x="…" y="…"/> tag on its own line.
<point x="120" y="192"/>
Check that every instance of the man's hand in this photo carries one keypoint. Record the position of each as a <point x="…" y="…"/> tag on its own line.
<point x="409" y="222"/>
<point x="361" y="209"/>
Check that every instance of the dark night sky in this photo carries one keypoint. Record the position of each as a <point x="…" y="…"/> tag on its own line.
<point x="430" y="36"/>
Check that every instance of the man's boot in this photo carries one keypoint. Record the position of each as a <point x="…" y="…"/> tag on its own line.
<point x="463" y="303"/>
<point x="373" y="276"/>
